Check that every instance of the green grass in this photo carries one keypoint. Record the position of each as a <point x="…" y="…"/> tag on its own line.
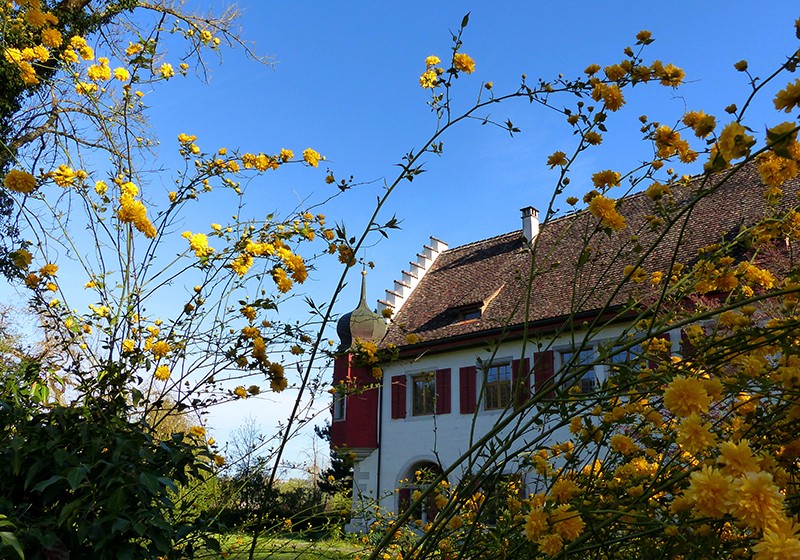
<point x="237" y="547"/>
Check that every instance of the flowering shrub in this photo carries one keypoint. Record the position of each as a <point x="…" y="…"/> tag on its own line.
<point x="684" y="455"/>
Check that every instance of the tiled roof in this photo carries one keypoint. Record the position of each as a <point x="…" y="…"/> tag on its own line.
<point x="494" y="272"/>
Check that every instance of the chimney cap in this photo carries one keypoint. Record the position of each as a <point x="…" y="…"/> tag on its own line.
<point x="529" y="211"/>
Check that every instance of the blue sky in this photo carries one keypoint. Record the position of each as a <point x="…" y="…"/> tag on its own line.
<point x="344" y="80"/>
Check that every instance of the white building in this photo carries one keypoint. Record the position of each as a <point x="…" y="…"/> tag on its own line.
<point x="477" y="332"/>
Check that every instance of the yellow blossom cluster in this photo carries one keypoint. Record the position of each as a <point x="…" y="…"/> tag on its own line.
<point x="606" y="209"/>
<point x="20" y="181"/>
<point x="669" y="142"/>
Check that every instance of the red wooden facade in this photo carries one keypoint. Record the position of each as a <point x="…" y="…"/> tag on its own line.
<point x="359" y="427"/>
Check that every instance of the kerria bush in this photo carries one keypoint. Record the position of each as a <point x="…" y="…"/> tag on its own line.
<point x="692" y="455"/>
<point x="148" y="314"/>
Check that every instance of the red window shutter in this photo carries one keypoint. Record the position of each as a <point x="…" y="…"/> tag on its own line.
<point x="543" y="372"/>
<point x="521" y="381"/>
<point x="443" y="391"/>
<point x="398" y="396"/>
<point x="403" y="500"/>
<point x="467" y="389"/>
<point x="687" y="348"/>
<point x="653" y="364"/>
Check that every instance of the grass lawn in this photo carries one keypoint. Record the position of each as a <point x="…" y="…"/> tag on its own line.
<point x="238" y="548"/>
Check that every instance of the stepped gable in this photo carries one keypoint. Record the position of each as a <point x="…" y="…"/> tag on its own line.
<point x="491" y="276"/>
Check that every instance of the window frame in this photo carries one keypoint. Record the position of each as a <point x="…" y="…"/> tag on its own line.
<point x="494" y="395"/>
<point x="585" y="355"/>
<point x="339" y="405"/>
<point x="423" y="403"/>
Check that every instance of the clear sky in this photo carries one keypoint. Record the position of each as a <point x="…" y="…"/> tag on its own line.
<point x="345" y="81"/>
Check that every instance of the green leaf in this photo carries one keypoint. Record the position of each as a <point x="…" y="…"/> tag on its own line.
<point x="150" y="482"/>
<point x="75" y="476"/>
<point x="9" y="539"/>
<point x="465" y="21"/>
<point x="45" y="483"/>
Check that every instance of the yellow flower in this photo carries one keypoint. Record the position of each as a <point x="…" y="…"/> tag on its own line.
<point x="286" y="154"/>
<point x="755" y="499"/>
<point x="684" y="396"/>
<point x="162" y="373"/>
<point x="429" y="79"/>
<point x="98" y="72"/>
<point x="694" y="435"/>
<point x="160" y="348"/>
<point x="69" y="55"/>
<point x="198" y="242"/>
<point x="240" y="392"/>
<point x="121" y="74"/>
<point x="86" y="52"/>
<point x="606" y="178"/>
<point x="282" y="281"/>
<point x="128" y="345"/>
<point x="219" y="460"/>
<point x="132" y="211"/>
<point x="198" y="431"/>
<point x="614" y="72"/>
<point x="20" y="181"/>
<point x="593" y="138"/>
<point x="734" y="142"/>
<point x="708" y="491"/>
<point x="166" y="71"/>
<point x="606" y="209"/>
<point x="623" y="444"/>
<point x="134" y="49"/>
<point x="702" y="124"/>
<point x="21" y="258"/>
<point x="567" y="522"/>
<point x="788" y="98"/>
<point x="535" y="523"/>
<point x="248" y="312"/>
<point x="551" y="544"/>
<point x="671" y="75"/>
<point x="35" y="17"/>
<point x="563" y="490"/>
<point x="100" y="187"/>
<point x="278" y="384"/>
<point x="241" y="264"/>
<point x="51" y="37"/>
<point x="737" y="459"/>
<point x="432" y="60"/>
<point x="556" y="158"/>
<point x="592" y="69"/>
<point x="48" y="270"/>
<point x="777" y="545"/>
<point x="611" y="96"/>
<point x="464" y="63"/>
<point x="85" y="88"/>
<point x="312" y="157"/>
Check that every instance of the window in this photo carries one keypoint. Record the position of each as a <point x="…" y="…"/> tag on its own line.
<point x="472" y="314"/>
<point x="630" y="358"/>
<point x="423" y="394"/>
<point x="497" y="390"/>
<point x="339" y="404"/>
<point x="422" y="477"/>
<point x="583" y="359"/>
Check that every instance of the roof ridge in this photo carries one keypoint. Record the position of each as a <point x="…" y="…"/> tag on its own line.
<point x="480" y="241"/>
